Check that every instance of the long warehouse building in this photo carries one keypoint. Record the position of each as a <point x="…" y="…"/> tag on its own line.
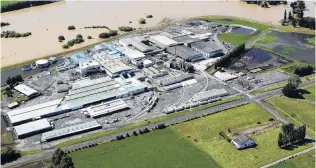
<point x="211" y="94"/>
<point x="32" y="128"/>
<point x="27" y="114"/>
<point x="72" y="130"/>
<point x="107" y="108"/>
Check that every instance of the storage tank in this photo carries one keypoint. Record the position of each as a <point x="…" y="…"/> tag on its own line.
<point x="43" y="63"/>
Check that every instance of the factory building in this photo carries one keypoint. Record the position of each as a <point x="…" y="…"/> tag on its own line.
<point x="207" y="48"/>
<point x="32" y="128"/>
<point x="27" y="91"/>
<point x="185" y="53"/>
<point x="134" y="55"/>
<point x="111" y="49"/>
<point x="87" y="91"/>
<point x="152" y="72"/>
<point x="76" y="58"/>
<point x="88" y="67"/>
<point x="68" y="131"/>
<point x="174" y="79"/>
<point x="186" y="40"/>
<point x="211" y="94"/>
<point x="138" y="42"/>
<point x="107" y="108"/>
<point x="30" y="113"/>
<point x="112" y="66"/>
<point x="162" y="41"/>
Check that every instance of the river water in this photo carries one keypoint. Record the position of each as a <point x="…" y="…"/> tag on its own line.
<point x="48" y="22"/>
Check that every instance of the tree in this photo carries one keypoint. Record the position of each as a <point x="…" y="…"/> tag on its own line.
<point x="295" y="80"/>
<point x="57" y="156"/>
<point x="290" y="90"/>
<point x="265" y="5"/>
<point x="285" y="15"/>
<point x="18" y="78"/>
<point x="142" y="21"/>
<point x="79" y="36"/>
<point x="89" y="37"/>
<point x="290" y="15"/>
<point x="8" y="154"/>
<point x="301" y="5"/>
<point x="61" y="38"/>
<point x="113" y="32"/>
<point x="62" y="160"/>
<point x="9" y="81"/>
<point x="135" y="133"/>
<point x="104" y="35"/>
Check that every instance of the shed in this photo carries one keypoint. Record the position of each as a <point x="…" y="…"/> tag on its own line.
<point x="242" y="142"/>
<point x="13" y="105"/>
<point x="27" y="91"/>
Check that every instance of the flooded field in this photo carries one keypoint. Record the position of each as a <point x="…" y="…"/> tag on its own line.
<point x="48" y="22"/>
<point x="257" y="58"/>
<point x="242" y="30"/>
<point x="294" y="45"/>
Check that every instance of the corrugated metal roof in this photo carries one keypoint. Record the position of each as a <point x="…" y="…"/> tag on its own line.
<point x="38" y="110"/>
<point x="182" y="51"/>
<point x="107" y="107"/>
<point x="30" y="127"/>
<point x="26" y="90"/>
<point x="209" y="94"/>
<point x="206" y="46"/>
<point x="69" y="130"/>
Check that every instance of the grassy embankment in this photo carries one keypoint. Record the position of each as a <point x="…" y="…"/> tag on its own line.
<point x="143" y="123"/>
<point x="7" y="2"/>
<point x="295" y="111"/>
<point x="6" y="138"/>
<point x="205" y="131"/>
<point x="311" y="41"/>
<point x="306" y="160"/>
<point x="160" y="148"/>
<point x="267" y="39"/>
<point x="280" y="85"/>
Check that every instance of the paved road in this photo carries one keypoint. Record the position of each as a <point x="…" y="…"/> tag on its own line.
<point x="288" y="157"/>
<point x="176" y="120"/>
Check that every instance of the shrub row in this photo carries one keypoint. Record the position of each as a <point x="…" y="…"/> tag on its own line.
<point x="125" y="28"/>
<point x="72" y="27"/>
<point x="79" y="39"/>
<point x="109" y="34"/>
<point x="13" y="34"/>
<point x="95" y="27"/>
<point x="4" y="24"/>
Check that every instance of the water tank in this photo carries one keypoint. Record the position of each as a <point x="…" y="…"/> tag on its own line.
<point x="43" y="63"/>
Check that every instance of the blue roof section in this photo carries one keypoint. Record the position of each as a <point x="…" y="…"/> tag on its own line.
<point x="78" y="57"/>
<point x="111" y="48"/>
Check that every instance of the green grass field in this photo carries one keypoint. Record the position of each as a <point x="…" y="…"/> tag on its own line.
<point x="311" y="40"/>
<point x="7" y="2"/>
<point x="235" y="39"/>
<point x="310" y="96"/>
<point x="205" y="131"/>
<point x="6" y="138"/>
<point x="267" y="39"/>
<point x="295" y="111"/>
<point x="142" y="123"/>
<point x="287" y="49"/>
<point x="306" y="160"/>
<point x="160" y="148"/>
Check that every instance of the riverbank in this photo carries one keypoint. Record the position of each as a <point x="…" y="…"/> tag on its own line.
<point x="44" y="43"/>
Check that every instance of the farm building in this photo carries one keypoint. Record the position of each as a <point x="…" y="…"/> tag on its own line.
<point x="242" y="142"/>
<point x="162" y="41"/>
<point x="211" y="94"/>
<point x="107" y="108"/>
<point x="185" y="53"/>
<point x="27" y="114"/>
<point x="32" y="128"/>
<point x="112" y="66"/>
<point x="207" y="48"/>
<point x="27" y="91"/>
<point x="68" y="131"/>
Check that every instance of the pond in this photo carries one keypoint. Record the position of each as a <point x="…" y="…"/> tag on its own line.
<point x="241" y="30"/>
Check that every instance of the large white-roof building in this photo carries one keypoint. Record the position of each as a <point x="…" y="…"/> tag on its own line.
<point x="88" y="67"/>
<point x="162" y="41"/>
<point x="132" y="54"/>
<point x="26" y="114"/>
<point x="27" y="91"/>
<point x="32" y="128"/>
<point x="113" y="66"/>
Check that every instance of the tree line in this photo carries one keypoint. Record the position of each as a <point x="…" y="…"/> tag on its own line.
<point x="231" y="56"/>
<point x="13" y="34"/>
<point x="79" y="39"/>
<point x="23" y="4"/>
<point x="109" y="34"/>
<point x="304" y="70"/>
<point x="5" y="24"/>
<point x="95" y="27"/>
<point x="125" y="28"/>
<point x="291" y="88"/>
<point x="291" y="135"/>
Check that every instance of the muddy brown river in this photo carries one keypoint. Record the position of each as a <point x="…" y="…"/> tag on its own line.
<point x="48" y="22"/>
